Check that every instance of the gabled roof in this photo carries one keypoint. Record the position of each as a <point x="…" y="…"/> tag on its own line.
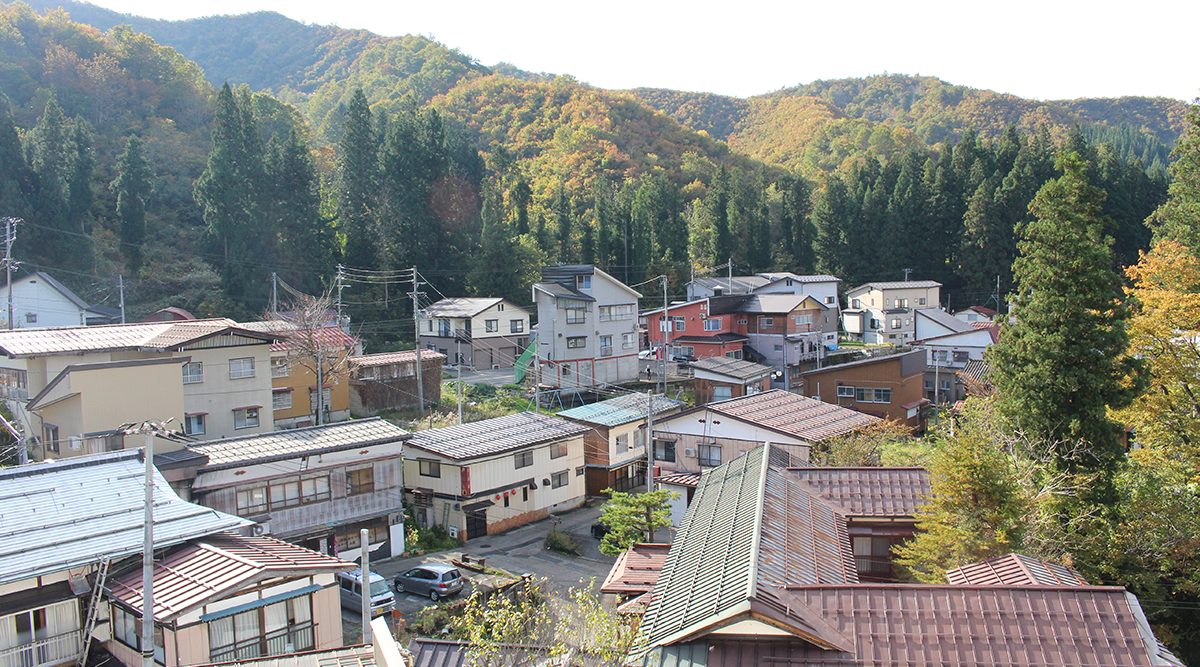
<point x="564" y="275"/>
<point x="99" y="366"/>
<point x="767" y="304"/>
<point x="389" y="358"/>
<point x="461" y="306"/>
<point x="67" y="514"/>
<point x="735" y="369"/>
<point x="750" y="531"/>
<point x="869" y="492"/>
<point x="904" y="358"/>
<point x="785" y="275"/>
<point x="294" y="443"/>
<point x="1015" y="569"/>
<point x="636" y="570"/>
<point x="216" y="567"/>
<point x="943" y="319"/>
<point x="495" y="436"/>
<point x="57" y="286"/>
<point x="976" y="370"/>
<point x="561" y="292"/>
<point x="287" y="331"/>
<point x="620" y="410"/>
<point x="982" y="310"/>
<point x="141" y="336"/>
<point x="740" y="284"/>
<point x="900" y="284"/>
<point x="791" y="414"/>
<point x="680" y="478"/>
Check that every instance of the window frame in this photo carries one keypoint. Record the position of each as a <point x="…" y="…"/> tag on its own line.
<point x="704" y="454"/>
<point x="188" y="428"/>
<point x="516" y="326"/>
<point x="242" y="373"/>
<point x="665" y="450"/>
<point x="356" y="484"/>
<point x="428" y="468"/>
<point x="193" y="378"/>
<point x="766" y="323"/>
<point x="558" y="450"/>
<point x="523" y="459"/>
<point x="576" y="342"/>
<point x="244" y="415"/>
<point x="844" y="391"/>
<point x="491" y="326"/>
<point x="712" y="324"/>
<point x="560" y="479"/>
<point x="277" y="403"/>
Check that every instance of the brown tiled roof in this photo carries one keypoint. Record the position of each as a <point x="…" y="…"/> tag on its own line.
<point x="683" y="478"/>
<point x="298" y="442"/>
<point x="387" y="358"/>
<point x="1015" y="570"/>
<point x="793" y="414"/>
<point x="636" y="570"/>
<point x="116" y="337"/>
<point x="325" y="336"/>
<point x="215" y="567"/>
<point x="875" y="492"/>
<point x="917" y="626"/>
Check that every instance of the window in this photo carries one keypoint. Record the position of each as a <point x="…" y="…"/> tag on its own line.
<point x="360" y="481"/>
<point x="500" y="307"/>
<point x="241" y="368"/>
<point x="523" y="459"/>
<point x="285" y="494"/>
<point x="921" y="301"/>
<point x="577" y="342"/>
<point x="193" y="373"/>
<point x="766" y="323"/>
<point x="639" y="438"/>
<point x="802" y="319"/>
<point x="680" y="323"/>
<point x="612" y="313"/>
<point x="124" y="626"/>
<point x="779" y="348"/>
<point x="664" y="450"/>
<point x="710" y="455"/>
<point x="902" y="303"/>
<point x="856" y="303"/>
<point x="734" y="354"/>
<point x="940" y="356"/>
<point x="580" y="470"/>
<point x="929" y="385"/>
<point x="895" y="322"/>
<point x="712" y="324"/>
<point x="830" y="300"/>
<point x="491" y="326"/>
<point x="945" y="385"/>
<point x="558" y="451"/>
<point x="606" y="349"/>
<point x="961" y="357"/>
<point x="280" y="367"/>
<point x="14" y="384"/>
<point x="845" y="392"/>
<point x="516" y="326"/>
<point x="193" y="424"/>
<point x="31" y="318"/>
<point x="722" y="392"/>
<point x="864" y="395"/>
<point x="583" y="282"/>
<point x="875" y="324"/>
<point x="560" y="479"/>
<point x="274" y="629"/>
<point x="281" y="400"/>
<point x="245" y="418"/>
<point x="252" y="501"/>
<point x="621" y="443"/>
<point x="883" y="395"/>
<point x="50" y="437"/>
<point x="576" y="316"/>
<point x="430" y="468"/>
<point x="628" y="341"/>
<point x="314" y="489"/>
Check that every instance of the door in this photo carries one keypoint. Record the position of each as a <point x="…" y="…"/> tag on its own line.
<point x="476" y="524"/>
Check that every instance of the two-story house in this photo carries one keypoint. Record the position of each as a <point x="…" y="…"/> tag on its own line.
<point x="951" y="343"/>
<point x="822" y="287"/>
<point x="615" y="453"/>
<point x="315" y="486"/>
<point x="880" y="313"/>
<point x="492" y="475"/>
<point x="890" y="387"/>
<point x="39" y="301"/>
<point x="59" y="381"/>
<point x="477" y="332"/>
<point x="587" y="327"/>
<point x="303" y="359"/>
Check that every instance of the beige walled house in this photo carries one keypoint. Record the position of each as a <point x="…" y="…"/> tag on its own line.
<point x="880" y="313"/>
<point x="476" y="332"/>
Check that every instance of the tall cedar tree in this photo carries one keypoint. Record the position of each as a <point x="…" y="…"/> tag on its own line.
<point x="358" y="185"/>
<point x="307" y="243"/>
<point x="134" y="182"/>
<point x="1179" y="217"/>
<point x="1062" y="362"/>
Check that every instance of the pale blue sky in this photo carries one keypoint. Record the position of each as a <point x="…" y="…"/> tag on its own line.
<point x="1044" y="50"/>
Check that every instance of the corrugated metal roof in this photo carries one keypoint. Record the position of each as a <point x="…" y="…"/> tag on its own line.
<point x="733" y="368"/>
<point x="637" y="569"/>
<point x="689" y="479"/>
<point x="291" y="443"/>
<point x="460" y="306"/>
<point x="741" y="284"/>
<point x="976" y="370"/>
<point x="944" y="319"/>
<point x="351" y="656"/>
<point x="562" y="292"/>
<point x="387" y="358"/>
<point x="496" y="435"/>
<point x="873" y="492"/>
<point x="914" y="284"/>
<point x="449" y="653"/>
<point x="71" y="513"/>
<point x="819" y="278"/>
<point x="215" y="567"/>
<point x="774" y="303"/>
<point x="918" y="626"/>
<point x="620" y="410"/>
<point x="1015" y="569"/>
<point x="324" y="336"/>
<point x="800" y="416"/>
<point x="112" y="337"/>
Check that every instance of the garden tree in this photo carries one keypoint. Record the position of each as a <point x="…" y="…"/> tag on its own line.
<point x="1062" y="361"/>
<point x="310" y="344"/>
<point x="633" y="518"/>
<point x="134" y="182"/>
<point x="864" y="447"/>
<point x="1179" y="217"/>
<point x="1163" y="329"/>
<point x="357" y="183"/>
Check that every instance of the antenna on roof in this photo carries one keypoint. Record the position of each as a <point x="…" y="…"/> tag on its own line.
<point x="906" y="272"/>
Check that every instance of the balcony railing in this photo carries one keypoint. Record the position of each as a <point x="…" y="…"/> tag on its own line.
<point x="293" y="639"/>
<point x="606" y="351"/>
<point x="49" y="651"/>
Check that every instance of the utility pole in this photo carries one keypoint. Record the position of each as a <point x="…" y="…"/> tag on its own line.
<point x="10" y="235"/>
<point x="121" y="291"/>
<point x="340" y="287"/>
<point x="364" y="536"/>
<point x="148" y="558"/>
<point x="666" y="335"/>
<point x="416" y="295"/>
<point x="650" y="447"/>
<point x="730" y="264"/>
<point x="458" y="354"/>
<point x="274" y="293"/>
<point x="906" y="272"/>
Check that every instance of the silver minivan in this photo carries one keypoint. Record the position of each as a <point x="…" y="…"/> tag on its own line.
<point x="350" y="583"/>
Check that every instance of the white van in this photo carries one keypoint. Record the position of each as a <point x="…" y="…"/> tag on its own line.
<point x="350" y="584"/>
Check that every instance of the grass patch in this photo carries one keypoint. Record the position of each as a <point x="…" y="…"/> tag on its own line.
<point x="480" y="401"/>
<point x="563" y="543"/>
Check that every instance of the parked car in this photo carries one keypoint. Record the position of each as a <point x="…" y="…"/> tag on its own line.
<point x="599" y="530"/>
<point x="350" y="583"/>
<point x="432" y="579"/>
<point x="683" y="358"/>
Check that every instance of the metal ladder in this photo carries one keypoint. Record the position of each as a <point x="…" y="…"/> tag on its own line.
<point x="93" y="610"/>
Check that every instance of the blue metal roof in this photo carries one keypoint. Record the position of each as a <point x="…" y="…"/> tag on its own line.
<point x="619" y="410"/>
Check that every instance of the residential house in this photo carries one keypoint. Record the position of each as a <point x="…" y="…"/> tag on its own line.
<point x="720" y="378"/>
<point x="635" y="574"/>
<point x="880" y="313"/>
<point x="303" y="358"/>
<point x="615" y="444"/>
<point x="64" y="519"/>
<point x="890" y="387"/>
<point x="822" y="287"/>
<point x="976" y="314"/>
<point x="587" y="327"/>
<point x="713" y="434"/>
<point x="220" y="390"/>
<point x="492" y="475"/>
<point x="974" y="376"/>
<point x="480" y="333"/>
<point x="227" y="597"/>
<point x="950" y="352"/>
<point x="690" y="332"/>
<point x="39" y="301"/>
<point x="388" y="381"/>
<point x="683" y="484"/>
<point x="316" y="486"/>
<point x="761" y="572"/>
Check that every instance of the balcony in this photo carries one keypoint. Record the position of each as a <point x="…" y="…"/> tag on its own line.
<point x="606" y="351"/>
<point x="49" y="651"/>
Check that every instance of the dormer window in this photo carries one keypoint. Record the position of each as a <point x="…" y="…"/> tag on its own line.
<point x="583" y="282"/>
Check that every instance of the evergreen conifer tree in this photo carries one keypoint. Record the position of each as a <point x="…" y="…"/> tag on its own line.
<point x="133" y="185"/>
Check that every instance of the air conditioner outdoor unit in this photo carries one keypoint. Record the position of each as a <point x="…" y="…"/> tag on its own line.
<point x="688" y="451"/>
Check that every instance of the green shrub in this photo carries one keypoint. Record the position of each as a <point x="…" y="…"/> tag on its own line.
<point x="562" y="542"/>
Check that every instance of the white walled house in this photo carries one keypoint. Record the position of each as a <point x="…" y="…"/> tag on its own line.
<point x="39" y="301"/>
<point x="486" y="332"/>
<point x="587" y="327"/>
<point x="950" y="353"/>
<point x="879" y="313"/>
<point x="492" y="475"/>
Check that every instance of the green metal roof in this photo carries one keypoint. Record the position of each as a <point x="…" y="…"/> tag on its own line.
<point x="620" y="410"/>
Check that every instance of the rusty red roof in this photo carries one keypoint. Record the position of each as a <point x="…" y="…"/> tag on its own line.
<point x="874" y="492"/>
<point x="289" y="335"/>
<point x="115" y="337"/>
<point x="636" y="570"/>
<point x="791" y="414"/>
<point x="680" y="478"/>
<point x="1015" y="570"/>
<point x="387" y="358"/>
<point x="216" y="567"/>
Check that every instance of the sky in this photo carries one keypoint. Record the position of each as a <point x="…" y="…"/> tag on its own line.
<point x="1039" y="50"/>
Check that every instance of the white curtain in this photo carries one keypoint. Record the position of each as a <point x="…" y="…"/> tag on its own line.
<point x="276" y="630"/>
<point x="245" y="626"/>
<point x="220" y="638"/>
<point x="62" y="618"/>
<point x="9" y="639"/>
